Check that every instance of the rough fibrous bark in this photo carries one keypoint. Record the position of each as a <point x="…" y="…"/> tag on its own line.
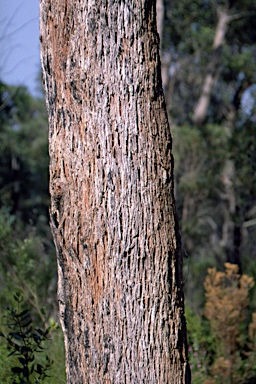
<point x="112" y="208"/>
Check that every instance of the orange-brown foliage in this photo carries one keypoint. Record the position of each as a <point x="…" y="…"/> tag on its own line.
<point x="227" y="296"/>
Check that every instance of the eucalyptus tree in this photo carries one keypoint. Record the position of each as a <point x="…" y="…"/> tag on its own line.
<point x="111" y="182"/>
<point x="209" y="56"/>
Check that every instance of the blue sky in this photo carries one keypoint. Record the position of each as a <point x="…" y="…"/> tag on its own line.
<point x="19" y="42"/>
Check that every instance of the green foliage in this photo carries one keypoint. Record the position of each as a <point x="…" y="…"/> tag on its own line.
<point x="26" y="264"/>
<point x="56" y="352"/>
<point x="201" y="345"/>
<point x="25" y="239"/>
<point x="190" y="29"/>
<point x="205" y="191"/>
<point x="53" y="348"/>
<point x="27" y="259"/>
<point x="200" y="154"/>
<point x="24" y="155"/>
<point x="25" y="342"/>
<point x="5" y="363"/>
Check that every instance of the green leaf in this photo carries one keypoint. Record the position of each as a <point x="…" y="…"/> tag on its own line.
<point x="36" y="337"/>
<point x="40" y="331"/>
<point x="48" y="330"/>
<point x="22" y="360"/>
<point x="25" y="321"/>
<point x="24" y="350"/>
<point x="17" y="370"/>
<point x="23" y="313"/>
<point x="28" y="331"/>
<point x="32" y="358"/>
<point x="16" y="346"/>
<point x="39" y="369"/>
<point x="18" y="297"/>
<point x="16" y="335"/>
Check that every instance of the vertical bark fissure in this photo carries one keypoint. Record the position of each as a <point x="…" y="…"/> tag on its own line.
<point x="112" y="210"/>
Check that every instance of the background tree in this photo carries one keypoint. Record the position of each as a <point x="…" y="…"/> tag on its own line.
<point x="112" y="207"/>
<point x="209" y="56"/>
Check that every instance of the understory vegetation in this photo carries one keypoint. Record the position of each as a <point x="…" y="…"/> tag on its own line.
<point x="222" y="340"/>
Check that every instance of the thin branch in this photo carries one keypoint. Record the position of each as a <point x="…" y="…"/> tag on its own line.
<point x="19" y="62"/>
<point x="19" y="28"/>
<point x="239" y="15"/>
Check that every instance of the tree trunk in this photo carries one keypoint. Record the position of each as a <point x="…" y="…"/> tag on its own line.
<point x="160" y="20"/>
<point x="212" y="72"/>
<point x="111" y="183"/>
